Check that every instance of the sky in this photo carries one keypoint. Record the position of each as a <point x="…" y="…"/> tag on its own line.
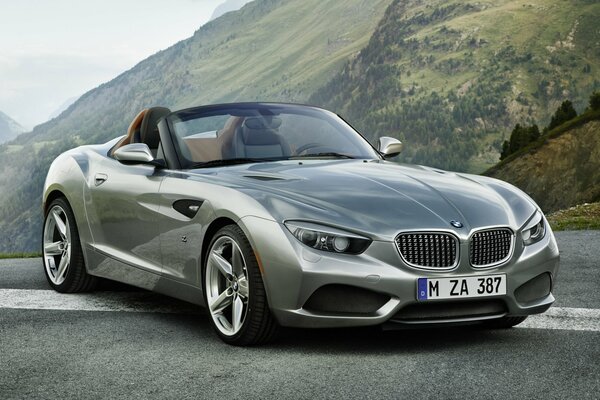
<point x="52" y="51"/>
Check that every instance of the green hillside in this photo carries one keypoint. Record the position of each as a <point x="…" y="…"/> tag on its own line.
<point x="451" y="78"/>
<point x="268" y="50"/>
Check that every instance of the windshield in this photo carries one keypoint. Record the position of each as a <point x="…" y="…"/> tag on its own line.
<point x="229" y="134"/>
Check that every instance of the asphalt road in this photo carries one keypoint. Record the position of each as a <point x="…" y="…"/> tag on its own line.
<point x="139" y="350"/>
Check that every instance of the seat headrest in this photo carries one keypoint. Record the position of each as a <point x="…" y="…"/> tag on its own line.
<point x="261" y="131"/>
<point x="266" y="122"/>
<point x="149" y="127"/>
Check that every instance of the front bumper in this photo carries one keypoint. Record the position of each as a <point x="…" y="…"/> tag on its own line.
<point x="292" y="273"/>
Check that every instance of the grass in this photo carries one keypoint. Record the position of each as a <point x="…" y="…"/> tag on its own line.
<point x="582" y="217"/>
<point x="19" y="255"/>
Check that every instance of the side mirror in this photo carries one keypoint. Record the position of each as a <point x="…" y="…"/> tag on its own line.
<point x="135" y="153"/>
<point x="389" y="147"/>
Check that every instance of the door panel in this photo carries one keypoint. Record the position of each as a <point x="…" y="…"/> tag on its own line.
<point x="122" y="207"/>
<point x="182" y="227"/>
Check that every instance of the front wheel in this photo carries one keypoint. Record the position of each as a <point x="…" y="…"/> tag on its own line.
<point x="62" y="255"/>
<point x="234" y="291"/>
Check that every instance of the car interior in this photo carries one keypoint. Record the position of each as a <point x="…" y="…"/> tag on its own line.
<point x="240" y="137"/>
<point x="226" y="137"/>
<point x="144" y="129"/>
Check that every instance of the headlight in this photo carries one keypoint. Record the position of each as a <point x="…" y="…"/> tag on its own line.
<point x="535" y="230"/>
<point x="327" y="238"/>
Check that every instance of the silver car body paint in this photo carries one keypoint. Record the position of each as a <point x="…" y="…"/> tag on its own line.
<point x="131" y="233"/>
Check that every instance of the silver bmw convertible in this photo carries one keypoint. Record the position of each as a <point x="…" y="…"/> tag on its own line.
<point x="275" y="215"/>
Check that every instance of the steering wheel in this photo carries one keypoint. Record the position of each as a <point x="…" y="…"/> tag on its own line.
<point x="307" y="146"/>
<point x="313" y="145"/>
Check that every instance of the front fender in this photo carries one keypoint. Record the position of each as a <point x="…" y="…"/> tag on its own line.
<point x="277" y="260"/>
<point x="67" y="175"/>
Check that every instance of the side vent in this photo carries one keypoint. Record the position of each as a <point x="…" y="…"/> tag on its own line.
<point x="189" y="208"/>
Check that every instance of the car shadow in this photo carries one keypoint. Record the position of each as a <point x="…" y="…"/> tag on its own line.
<point x="374" y="340"/>
<point x="365" y="340"/>
<point x="357" y="341"/>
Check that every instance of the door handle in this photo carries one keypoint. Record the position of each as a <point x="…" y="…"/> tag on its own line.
<point x="99" y="179"/>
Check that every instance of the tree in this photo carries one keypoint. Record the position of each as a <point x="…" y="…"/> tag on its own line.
<point x="533" y="132"/>
<point x="505" y="150"/>
<point x="564" y="113"/>
<point x="595" y="101"/>
<point x="520" y="137"/>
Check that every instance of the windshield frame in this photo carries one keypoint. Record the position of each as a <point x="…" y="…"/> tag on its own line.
<point x="299" y="109"/>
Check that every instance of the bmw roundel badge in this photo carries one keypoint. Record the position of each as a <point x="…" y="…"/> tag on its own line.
<point x="456" y="224"/>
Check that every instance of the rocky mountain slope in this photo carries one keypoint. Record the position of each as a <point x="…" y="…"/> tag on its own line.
<point x="561" y="170"/>
<point x="451" y="78"/>
<point x="9" y="128"/>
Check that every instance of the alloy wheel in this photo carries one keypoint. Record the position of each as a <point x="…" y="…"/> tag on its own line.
<point x="226" y="285"/>
<point x="57" y="245"/>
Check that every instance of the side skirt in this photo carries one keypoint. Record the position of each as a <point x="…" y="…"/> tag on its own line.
<point x="108" y="267"/>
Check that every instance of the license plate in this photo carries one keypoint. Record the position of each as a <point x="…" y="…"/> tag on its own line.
<point x="461" y="287"/>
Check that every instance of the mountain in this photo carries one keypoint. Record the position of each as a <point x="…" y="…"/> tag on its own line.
<point x="63" y="107"/>
<point x="268" y="50"/>
<point x="228" y="6"/>
<point x="9" y="128"/>
<point x="451" y="78"/>
<point x="448" y="77"/>
<point x="561" y="169"/>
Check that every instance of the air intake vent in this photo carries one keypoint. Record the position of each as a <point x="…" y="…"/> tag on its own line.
<point x="427" y="312"/>
<point x="263" y="177"/>
<point x="428" y="250"/>
<point x="490" y="247"/>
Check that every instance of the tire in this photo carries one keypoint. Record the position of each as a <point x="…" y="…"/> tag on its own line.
<point x="61" y="242"/>
<point x="504" y="322"/>
<point x="233" y="286"/>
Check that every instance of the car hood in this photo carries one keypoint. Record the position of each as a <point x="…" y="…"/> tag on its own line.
<point x="380" y="198"/>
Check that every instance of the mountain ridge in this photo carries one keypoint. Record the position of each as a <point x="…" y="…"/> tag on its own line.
<point x="449" y="78"/>
<point x="227" y="6"/>
<point x="9" y="128"/>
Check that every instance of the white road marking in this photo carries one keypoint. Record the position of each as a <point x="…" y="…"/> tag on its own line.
<point x="31" y="299"/>
<point x="564" y="318"/>
<point x="572" y="319"/>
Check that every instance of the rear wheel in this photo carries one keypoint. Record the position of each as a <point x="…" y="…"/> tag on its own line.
<point x="62" y="255"/>
<point x="234" y="291"/>
<point x="504" y="322"/>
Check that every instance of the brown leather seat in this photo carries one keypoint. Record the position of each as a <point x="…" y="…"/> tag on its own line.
<point x="219" y="147"/>
<point x="144" y="129"/>
<point x="132" y="131"/>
